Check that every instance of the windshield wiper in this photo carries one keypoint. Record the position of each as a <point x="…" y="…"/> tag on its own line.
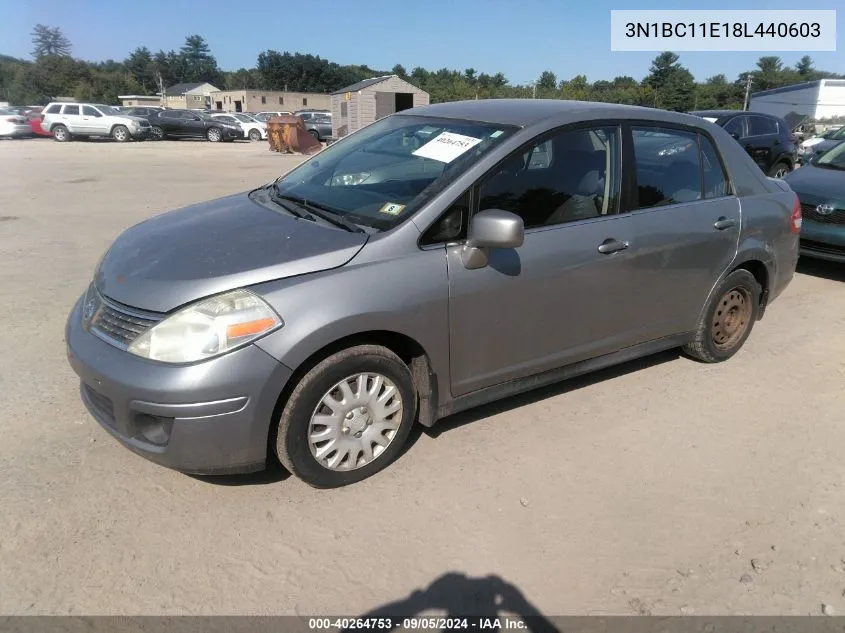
<point x="277" y="199"/>
<point x="321" y="211"/>
<point x="829" y="166"/>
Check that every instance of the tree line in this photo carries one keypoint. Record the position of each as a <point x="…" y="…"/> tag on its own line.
<point x="54" y="72"/>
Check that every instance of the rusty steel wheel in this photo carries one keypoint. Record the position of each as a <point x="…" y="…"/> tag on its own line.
<point x="731" y="318"/>
<point x="726" y="321"/>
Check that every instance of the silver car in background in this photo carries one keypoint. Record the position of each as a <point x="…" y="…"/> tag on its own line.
<point x="438" y="259"/>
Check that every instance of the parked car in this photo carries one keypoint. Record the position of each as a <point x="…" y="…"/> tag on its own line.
<point x="145" y="112"/>
<point x="766" y="138"/>
<point x="192" y="124"/>
<point x="266" y="116"/>
<point x="310" y="113"/>
<point x="68" y="120"/>
<point x="503" y="245"/>
<point x="320" y="127"/>
<point x="252" y="129"/>
<point x="13" y="125"/>
<point x="820" y="186"/>
<point x="813" y="148"/>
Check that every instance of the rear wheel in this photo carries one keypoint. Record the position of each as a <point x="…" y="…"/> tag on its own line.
<point x="254" y="135"/>
<point x="779" y="170"/>
<point x="120" y="133"/>
<point x="61" y="134"/>
<point x="214" y="135"/>
<point x="348" y="417"/>
<point x="157" y="134"/>
<point x="315" y="134"/>
<point x="728" y="318"/>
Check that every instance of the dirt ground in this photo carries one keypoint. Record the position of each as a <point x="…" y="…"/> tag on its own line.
<point x="663" y="486"/>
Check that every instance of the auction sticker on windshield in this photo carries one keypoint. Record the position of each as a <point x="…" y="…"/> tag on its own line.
<point x="447" y="146"/>
<point x="392" y="208"/>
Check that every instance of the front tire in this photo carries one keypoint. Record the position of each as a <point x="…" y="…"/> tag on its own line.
<point x="728" y="319"/>
<point x="348" y="418"/>
<point x="61" y="134"/>
<point x="157" y="134"/>
<point x="120" y="133"/>
<point x="214" y="135"/>
<point x="254" y="135"/>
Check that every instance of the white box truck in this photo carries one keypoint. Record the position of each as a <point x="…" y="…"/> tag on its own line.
<point x="814" y="100"/>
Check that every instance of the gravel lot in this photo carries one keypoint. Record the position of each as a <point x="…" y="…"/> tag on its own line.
<point x="664" y="486"/>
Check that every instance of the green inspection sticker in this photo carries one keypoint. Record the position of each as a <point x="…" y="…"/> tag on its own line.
<point x="392" y="208"/>
<point x="496" y="134"/>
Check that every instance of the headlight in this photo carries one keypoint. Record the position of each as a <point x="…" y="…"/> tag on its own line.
<point x="208" y="328"/>
<point x="350" y="179"/>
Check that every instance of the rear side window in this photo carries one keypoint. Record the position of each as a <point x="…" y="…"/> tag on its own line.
<point x="715" y="181"/>
<point x="54" y="109"/>
<point x="760" y="125"/>
<point x="71" y="109"/>
<point x="169" y="115"/>
<point x="667" y="166"/>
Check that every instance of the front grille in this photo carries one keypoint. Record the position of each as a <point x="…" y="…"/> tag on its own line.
<point x="101" y="405"/>
<point x="808" y="211"/>
<point x="118" y="324"/>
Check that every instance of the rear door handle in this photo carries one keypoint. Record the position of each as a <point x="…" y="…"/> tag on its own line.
<point x="611" y="245"/>
<point x="723" y="223"/>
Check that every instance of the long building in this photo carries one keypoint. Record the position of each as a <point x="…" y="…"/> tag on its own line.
<point x="268" y="101"/>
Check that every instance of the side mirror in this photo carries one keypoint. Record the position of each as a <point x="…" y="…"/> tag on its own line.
<point x="488" y="229"/>
<point x="735" y="135"/>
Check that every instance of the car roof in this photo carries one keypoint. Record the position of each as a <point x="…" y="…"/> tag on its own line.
<point x="526" y="112"/>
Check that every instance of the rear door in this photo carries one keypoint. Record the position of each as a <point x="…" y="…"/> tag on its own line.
<point x="762" y="141"/>
<point x="71" y="117"/>
<point x="686" y="225"/>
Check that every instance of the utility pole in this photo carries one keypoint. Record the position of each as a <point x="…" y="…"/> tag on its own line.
<point x="534" y="90"/>
<point x="747" y="91"/>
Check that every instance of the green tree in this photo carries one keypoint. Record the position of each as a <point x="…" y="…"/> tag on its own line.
<point x="804" y="66"/>
<point x="198" y="64"/>
<point x="139" y="64"/>
<point x="49" y="41"/>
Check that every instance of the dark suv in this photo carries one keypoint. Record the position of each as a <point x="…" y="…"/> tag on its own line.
<point x="766" y="138"/>
<point x="192" y="124"/>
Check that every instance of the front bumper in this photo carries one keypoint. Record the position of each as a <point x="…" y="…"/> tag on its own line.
<point x="141" y="133"/>
<point x="823" y="241"/>
<point x="211" y="417"/>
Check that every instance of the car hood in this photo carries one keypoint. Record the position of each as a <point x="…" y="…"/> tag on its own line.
<point x="130" y="117"/>
<point x="816" y="183"/>
<point x="215" y="246"/>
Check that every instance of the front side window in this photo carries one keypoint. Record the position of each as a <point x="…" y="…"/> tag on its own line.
<point x="71" y="109"/>
<point x="385" y="172"/>
<point x="573" y="175"/>
<point x="107" y="110"/>
<point x="734" y="127"/>
<point x="89" y="111"/>
<point x="667" y="166"/>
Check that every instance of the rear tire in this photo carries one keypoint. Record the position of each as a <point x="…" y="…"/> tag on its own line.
<point x="295" y="447"/>
<point x="728" y="319"/>
<point x="315" y="134"/>
<point x="61" y="134"/>
<point x="254" y="135"/>
<point x="779" y="170"/>
<point x="120" y="133"/>
<point x="156" y="133"/>
<point x="214" y="135"/>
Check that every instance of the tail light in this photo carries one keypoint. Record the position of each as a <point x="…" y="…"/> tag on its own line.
<point x="795" y="217"/>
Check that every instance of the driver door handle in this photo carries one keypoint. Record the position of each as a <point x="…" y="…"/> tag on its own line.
<point x="611" y="245"/>
<point x="723" y="223"/>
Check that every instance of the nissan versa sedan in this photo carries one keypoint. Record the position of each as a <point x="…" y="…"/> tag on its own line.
<point x="820" y="186"/>
<point x="438" y="259"/>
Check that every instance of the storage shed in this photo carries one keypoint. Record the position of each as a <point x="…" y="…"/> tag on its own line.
<point x="360" y="104"/>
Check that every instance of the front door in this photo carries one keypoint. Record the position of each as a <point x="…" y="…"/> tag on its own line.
<point x="93" y="121"/>
<point x="686" y="226"/>
<point x="563" y="295"/>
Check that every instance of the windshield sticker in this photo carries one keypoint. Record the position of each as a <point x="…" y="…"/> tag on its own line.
<point x="496" y="134"/>
<point x="392" y="208"/>
<point x="447" y="146"/>
<point x="427" y="130"/>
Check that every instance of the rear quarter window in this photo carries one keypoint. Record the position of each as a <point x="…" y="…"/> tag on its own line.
<point x="54" y="109"/>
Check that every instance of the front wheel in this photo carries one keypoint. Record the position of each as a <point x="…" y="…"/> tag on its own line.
<point x="157" y="133"/>
<point x="214" y="135"/>
<point x="348" y="417"/>
<point x="728" y="318"/>
<point x="120" y="133"/>
<point x="254" y="135"/>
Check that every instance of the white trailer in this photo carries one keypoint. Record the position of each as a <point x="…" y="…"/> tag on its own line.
<point x="815" y="100"/>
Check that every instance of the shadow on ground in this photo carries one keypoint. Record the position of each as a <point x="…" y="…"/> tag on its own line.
<point x="454" y="595"/>
<point x="821" y="268"/>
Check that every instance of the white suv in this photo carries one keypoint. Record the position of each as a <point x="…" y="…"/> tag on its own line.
<point x="66" y="120"/>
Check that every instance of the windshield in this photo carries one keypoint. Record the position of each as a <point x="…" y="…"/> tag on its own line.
<point x="382" y="174"/>
<point x="107" y="110"/>
<point x="833" y="158"/>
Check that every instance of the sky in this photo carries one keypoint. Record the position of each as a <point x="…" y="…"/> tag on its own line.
<point x="520" y="38"/>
